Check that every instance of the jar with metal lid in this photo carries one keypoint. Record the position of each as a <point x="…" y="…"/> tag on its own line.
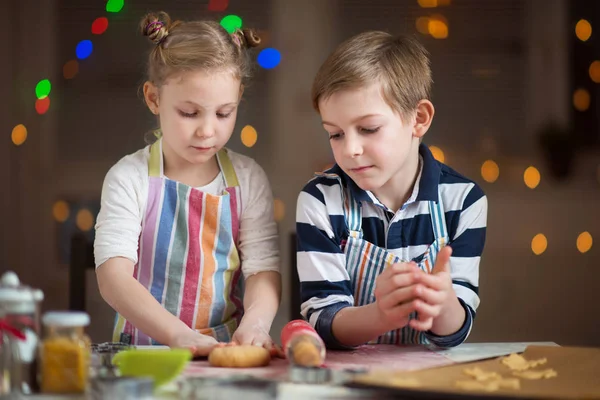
<point x="65" y="352"/>
<point x="19" y="307"/>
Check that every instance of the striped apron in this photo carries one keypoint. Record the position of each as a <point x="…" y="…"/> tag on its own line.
<point x="365" y="261"/>
<point x="187" y="257"/>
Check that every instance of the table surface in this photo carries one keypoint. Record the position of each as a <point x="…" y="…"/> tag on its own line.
<point x="367" y="357"/>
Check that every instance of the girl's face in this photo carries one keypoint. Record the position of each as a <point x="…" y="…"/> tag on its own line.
<point x="197" y="112"/>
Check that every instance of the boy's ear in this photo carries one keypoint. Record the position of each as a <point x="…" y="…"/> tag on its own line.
<point x="241" y="91"/>
<point x="423" y="117"/>
<point x="151" y="97"/>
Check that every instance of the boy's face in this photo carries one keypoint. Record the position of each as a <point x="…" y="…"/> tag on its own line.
<point x="370" y="141"/>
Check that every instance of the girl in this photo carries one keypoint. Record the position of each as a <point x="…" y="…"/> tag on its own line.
<point x="182" y="220"/>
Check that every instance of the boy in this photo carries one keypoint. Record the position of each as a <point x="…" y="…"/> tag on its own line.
<point x="372" y="230"/>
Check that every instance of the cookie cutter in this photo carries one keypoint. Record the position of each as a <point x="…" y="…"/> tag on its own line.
<point x="322" y="375"/>
<point x="102" y="355"/>
<point x="227" y="388"/>
<point x="122" y="388"/>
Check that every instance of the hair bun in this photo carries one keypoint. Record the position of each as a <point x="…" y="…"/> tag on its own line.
<point x="245" y="38"/>
<point x="251" y="37"/>
<point x="156" y="26"/>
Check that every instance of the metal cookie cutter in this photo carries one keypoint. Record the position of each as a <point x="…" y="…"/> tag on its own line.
<point x="102" y="355"/>
<point x="227" y="388"/>
<point x="321" y="375"/>
<point x="122" y="388"/>
<point x="315" y="375"/>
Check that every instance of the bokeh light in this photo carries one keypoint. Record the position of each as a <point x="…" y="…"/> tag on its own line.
<point x="269" y="58"/>
<point x="583" y="30"/>
<point x="218" y="5"/>
<point x="19" y="135"/>
<point x="584" y="242"/>
<point x="70" y="69"/>
<point x="60" y="211"/>
<point x="114" y="6"/>
<point x="278" y="209"/>
<point x="42" y="105"/>
<point x="100" y="25"/>
<point x="581" y="99"/>
<point x="594" y="71"/>
<point x="422" y="25"/>
<point x="438" y="27"/>
<point x="231" y="23"/>
<point x="539" y="244"/>
<point x="428" y="3"/>
<point x="490" y="171"/>
<point x="532" y="177"/>
<point x="84" y="220"/>
<point x="437" y="153"/>
<point x="43" y="88"/>
<point x="84" y="49"/>
<point x="249" y="136"/>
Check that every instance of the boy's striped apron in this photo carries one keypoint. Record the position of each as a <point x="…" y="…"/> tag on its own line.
<point x="187" y="255"/>
<point x="365" y="261"/>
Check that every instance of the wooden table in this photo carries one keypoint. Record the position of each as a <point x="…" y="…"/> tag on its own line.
<point x="364" y="358"/>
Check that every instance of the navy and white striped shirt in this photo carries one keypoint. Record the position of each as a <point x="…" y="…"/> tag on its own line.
<point x="322" y="231"/>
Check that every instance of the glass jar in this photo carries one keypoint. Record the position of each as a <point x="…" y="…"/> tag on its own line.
<point x="65" y="352"/>
<point x="19" y="305"/>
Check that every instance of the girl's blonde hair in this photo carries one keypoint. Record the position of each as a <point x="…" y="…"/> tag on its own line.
<point x="185" y="46"/>
<point x="399" y="63"/>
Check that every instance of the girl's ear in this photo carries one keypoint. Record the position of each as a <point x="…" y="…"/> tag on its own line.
<point x="151" y="97"/>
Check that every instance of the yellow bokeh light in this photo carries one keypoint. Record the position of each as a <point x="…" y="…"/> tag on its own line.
<point x="490" y="171"/>
<point x="532" y="177"/>
<point x="19" y="134"/>
<point x="428" y="3"/>
<point x="584" y="242"/>
<point x="581" y="99"/>
<point x="278" y="210"/>
<point x="594" y="71"/>
<point x="60" y="211"/>
<point x="422" y="25"/>
<point x="583" y="30"/>
<point x="438" y="27"/>
<point x="438" y="154"/>
<point x="539" y="244"/>
<point x="84" y="220"/>
<point x="249" y="136"/>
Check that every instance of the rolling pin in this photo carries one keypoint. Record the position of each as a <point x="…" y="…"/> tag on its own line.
<point x="302" y="345"/>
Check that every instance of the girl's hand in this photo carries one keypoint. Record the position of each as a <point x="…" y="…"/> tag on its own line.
<point x="200" y="345"/>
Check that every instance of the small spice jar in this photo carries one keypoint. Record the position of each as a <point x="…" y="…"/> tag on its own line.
<point x="65" y="352"/>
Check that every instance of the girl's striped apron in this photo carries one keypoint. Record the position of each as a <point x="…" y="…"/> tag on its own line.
<point x="365" y="261"/>
<point x="187" y="255"/>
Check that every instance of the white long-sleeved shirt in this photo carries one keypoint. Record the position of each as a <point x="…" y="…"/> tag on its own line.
<point x="123" y="204"/>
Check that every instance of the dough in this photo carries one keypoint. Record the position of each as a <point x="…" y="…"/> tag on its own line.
<point x="243" y="356"/>
<point x="490" y="385"/>
<point x="517" y="362"/>
<point x="481" y="375"/>
<point x="543" y="374"/>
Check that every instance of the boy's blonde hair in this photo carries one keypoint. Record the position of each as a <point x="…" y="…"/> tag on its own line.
<point x="184" y="46"/>
<point x="399" y="63"/>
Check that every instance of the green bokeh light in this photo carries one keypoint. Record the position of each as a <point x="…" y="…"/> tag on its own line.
<point x="231" y="23"/>
<point x="42" y="89"/>
<point x="114" y="6"/>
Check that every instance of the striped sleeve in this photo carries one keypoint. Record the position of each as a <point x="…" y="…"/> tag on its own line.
<point x="467" y="242"/>
<point x="324" y="282"/>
